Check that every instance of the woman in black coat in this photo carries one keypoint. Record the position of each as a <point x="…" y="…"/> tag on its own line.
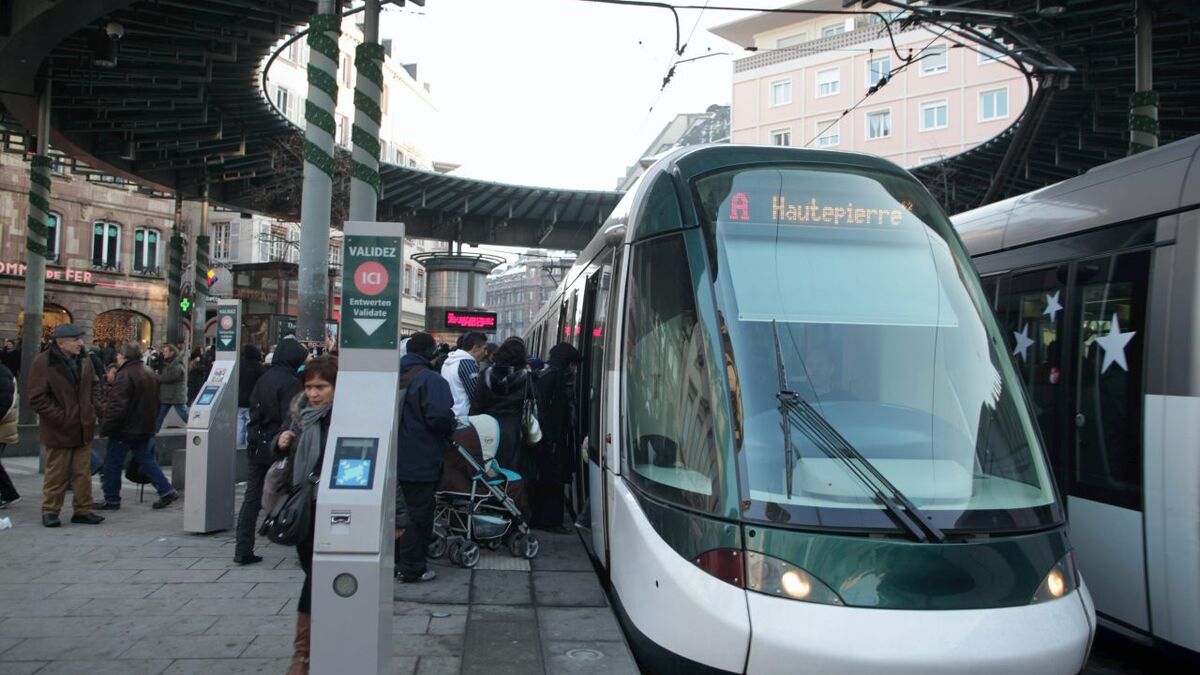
<point x="556" y="455"/>
<point x="501" y="393"/>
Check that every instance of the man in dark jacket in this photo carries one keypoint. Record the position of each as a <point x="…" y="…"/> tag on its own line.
<point x="269" y="401"/>
<point x="60" y="392"/>
<point x="250" y="368"/>
<point x="555" y="455"/>
<point x="130" y="422"/>
<point x="426" y="423"/>
<point x="8" y="432"/>
<point x="172" y="386"/>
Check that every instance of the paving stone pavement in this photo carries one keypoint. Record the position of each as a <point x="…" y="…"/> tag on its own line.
<point x="137" y="595"/>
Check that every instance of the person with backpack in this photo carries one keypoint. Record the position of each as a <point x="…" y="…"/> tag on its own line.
<point x="269" y="402"/>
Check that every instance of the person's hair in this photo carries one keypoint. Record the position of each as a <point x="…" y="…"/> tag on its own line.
<point x="324" y="367"/>
<point x="131" y="350"/>
<point x="168" y="345"/>
<point x="472" y="340"/>
<point x="511" y="353"/>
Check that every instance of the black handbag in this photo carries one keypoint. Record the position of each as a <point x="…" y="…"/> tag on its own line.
<point x="291" y="521"/>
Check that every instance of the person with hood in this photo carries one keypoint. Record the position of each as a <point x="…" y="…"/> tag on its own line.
<point x="249" y="370"/>
<point x="172" y="386"/>
<point x="269" y="402"/>
<point x="554" y="458"/>
<point x="426" y="423"/>
<point x="129" y="423"/>
<point x="60" y="392"/>
<point x="503" y="388"/>
<point x="461" y="370"/>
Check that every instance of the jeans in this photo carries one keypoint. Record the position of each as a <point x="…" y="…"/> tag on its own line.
<point x="410" y="547"/>
<point x="8" y="492"/>
<point x="251" y="505"/>
<point x="97" y="462"/>
<point x="243" y="422"/>
<point x="143" y="454"/>
<point x="164" y="409"/>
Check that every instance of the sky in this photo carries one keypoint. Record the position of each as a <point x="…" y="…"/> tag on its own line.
<point x="558" y="93"/>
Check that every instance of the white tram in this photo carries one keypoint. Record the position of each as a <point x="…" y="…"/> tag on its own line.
<point x="806" y="448"/>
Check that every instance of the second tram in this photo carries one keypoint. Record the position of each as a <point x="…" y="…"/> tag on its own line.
<point x="806" y="446"/>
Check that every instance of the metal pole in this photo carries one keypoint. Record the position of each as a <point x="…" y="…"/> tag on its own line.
<point x="199" y="281"/>
<point x="36" y="237"/>
<point x="368" y="88"/>
<point x="175" y="274"/>
<point x="1143" y="105"/>
<point x="319" y="166"/>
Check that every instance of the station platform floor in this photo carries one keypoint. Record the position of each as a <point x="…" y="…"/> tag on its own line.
<point x="137" y="595"/>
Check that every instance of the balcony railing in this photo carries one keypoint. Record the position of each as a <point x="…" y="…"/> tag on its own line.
<point x="106" y="267"/>
<point x="148" y="271"/>
<point x="857" y="36"/>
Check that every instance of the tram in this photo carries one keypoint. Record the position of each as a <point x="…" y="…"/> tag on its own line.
<point x="1094" y="283"/>
<point x="806" y="447"/>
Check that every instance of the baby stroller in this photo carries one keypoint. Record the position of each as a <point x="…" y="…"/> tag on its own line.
<point x="478" y="503"/>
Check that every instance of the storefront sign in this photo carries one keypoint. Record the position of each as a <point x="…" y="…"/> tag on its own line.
<point x="371" y="294"/>
<point x="482" y="321"/>
<point x="69" y="276"/>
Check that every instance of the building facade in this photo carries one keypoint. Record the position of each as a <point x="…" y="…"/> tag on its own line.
<point x="710" y="126"/>
<point x="517" y="290"/>
<point x="108" y="255"/>
<point x="808" y="69"/>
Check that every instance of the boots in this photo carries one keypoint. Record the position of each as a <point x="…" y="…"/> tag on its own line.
<point x="302" y="642"/>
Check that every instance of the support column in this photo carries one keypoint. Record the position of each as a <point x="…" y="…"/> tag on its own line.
<point x="37" y="231"/>
<point x="175" y="275"/>
<point x="1143" y="105"/>
<point x="319" y="165"/>
<point x="199" y="281"/>
<point x="368" y="88"/>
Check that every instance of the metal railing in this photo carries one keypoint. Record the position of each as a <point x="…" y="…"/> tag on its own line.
<point x="857" y="36"/>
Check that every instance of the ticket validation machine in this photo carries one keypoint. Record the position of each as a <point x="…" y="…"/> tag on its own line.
<point x="355" y="513"/>
<point x="212" y="432"/>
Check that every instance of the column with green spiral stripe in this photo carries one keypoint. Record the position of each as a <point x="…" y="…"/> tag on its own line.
<point x="319" y="165"/>
<point x="368" y="89"/>
<point x="37" y="233"/>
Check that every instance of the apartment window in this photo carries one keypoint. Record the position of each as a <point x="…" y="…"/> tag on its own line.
<point x="285" y="102"/>
<point x="933" y="59"/>
<point x="145" y="250"/>
<point x="398" y="158"/>
<point x="934" y="115"/>
<point x="221" y="241"/>
<point x="408" y="279"/>
<point x="264" y="242"/>
<point x="335" y="253"/>
<point x="791" y="40"/>
<point x="343" y="131"/>
<point x="834" y="29"/>
<point x="781" y="137"/>
<point x="346" y="70"/>
<point x="412" y="163"/>
<point x="106" y="246"/>
<point x="420" y="284"/>
<point x="993" y="105"/>
<point x="879" y="124"/>
<point x="53" y="234"/>
<point x="383" y="100"/>
<point x="828" y="133"/>
<point x="989" y="55"/>
<point x="877" y="69"/>
<point x="781" y="92"/>
<point x="295" y="52"/>
<point x="829" y="82"/>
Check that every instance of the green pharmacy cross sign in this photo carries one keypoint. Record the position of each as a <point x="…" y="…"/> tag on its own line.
<point x="185" y="304"/>
<point x="371" y="302"/>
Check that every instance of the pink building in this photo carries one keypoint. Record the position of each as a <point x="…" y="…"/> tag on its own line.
<point x="809" y="69"/>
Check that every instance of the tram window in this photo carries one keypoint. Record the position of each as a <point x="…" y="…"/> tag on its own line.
<point x="669" y="435"/>
<point x="595" y="357"/>
<point x="1032" y="317"/>
<point x="989" y="289"/>
<point x="1110" y="340"/>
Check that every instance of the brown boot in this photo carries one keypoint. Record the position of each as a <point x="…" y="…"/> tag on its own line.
<point x="302" y="642"/>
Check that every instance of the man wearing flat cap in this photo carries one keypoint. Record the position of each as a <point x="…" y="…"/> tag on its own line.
<point x="60" y="392"/>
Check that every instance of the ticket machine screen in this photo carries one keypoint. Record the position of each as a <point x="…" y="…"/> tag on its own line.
<point x="354" y="463"/>
<point x="206" y="397"/>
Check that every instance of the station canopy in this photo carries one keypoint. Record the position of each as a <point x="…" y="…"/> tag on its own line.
<point x="179" y="105"/>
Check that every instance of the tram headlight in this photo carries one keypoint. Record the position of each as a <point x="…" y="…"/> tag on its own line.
<point x="773" y="576"/>
<point x="1060" y="581"/>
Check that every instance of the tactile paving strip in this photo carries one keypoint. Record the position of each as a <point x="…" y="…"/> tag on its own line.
<point x="501" y="560"/>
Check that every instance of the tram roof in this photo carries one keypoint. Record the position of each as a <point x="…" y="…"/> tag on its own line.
<point x="186" y="93"/>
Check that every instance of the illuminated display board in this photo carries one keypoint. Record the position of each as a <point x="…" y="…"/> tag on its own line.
<point x="482" y="321"/>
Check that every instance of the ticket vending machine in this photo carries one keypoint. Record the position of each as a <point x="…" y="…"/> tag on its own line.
<point x="211" y="439"/>
<point x="355" y="513"/>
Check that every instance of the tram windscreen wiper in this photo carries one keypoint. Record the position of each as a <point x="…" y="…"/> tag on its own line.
<point x="797" y="413"/>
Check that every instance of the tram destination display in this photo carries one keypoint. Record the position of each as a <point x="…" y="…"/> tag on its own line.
<point x="371" y="303"/>
<point x="468" y="320"/>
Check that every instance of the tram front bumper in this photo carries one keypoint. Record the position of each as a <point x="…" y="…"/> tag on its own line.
<point x="796" y="637"/>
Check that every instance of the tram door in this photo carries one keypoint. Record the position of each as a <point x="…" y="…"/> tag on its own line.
<point x="1105" y="504"/>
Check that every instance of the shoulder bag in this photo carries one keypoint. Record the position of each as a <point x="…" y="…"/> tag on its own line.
<point x="291" y="521"/>
<point x="529" y="419"/>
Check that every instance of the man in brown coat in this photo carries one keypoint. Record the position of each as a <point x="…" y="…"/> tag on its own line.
<point x="60" y="392"/>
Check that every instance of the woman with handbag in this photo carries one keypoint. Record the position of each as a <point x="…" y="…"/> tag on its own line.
<point x="505" y="391"/>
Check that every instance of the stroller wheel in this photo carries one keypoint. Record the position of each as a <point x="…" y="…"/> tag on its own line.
<point x="469" y="555"/>
<point x="532" y="546"/>
<point x="492" y="544"/>
<point x="436" y="548"/>
<point x="454" y="551"/>
<point x="516" y="544"/>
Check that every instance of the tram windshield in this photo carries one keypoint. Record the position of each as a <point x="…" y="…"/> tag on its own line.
<point x="882" y="330"/>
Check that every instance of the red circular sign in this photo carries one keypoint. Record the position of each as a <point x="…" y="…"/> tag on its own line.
<point x="227" y="322"/>
<point x="370" y="278"/>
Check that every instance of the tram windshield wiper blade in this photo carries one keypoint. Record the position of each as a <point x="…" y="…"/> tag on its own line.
<point x="817" y="429"/>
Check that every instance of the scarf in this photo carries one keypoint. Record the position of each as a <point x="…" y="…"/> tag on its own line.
<point x="308" y="446"/>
